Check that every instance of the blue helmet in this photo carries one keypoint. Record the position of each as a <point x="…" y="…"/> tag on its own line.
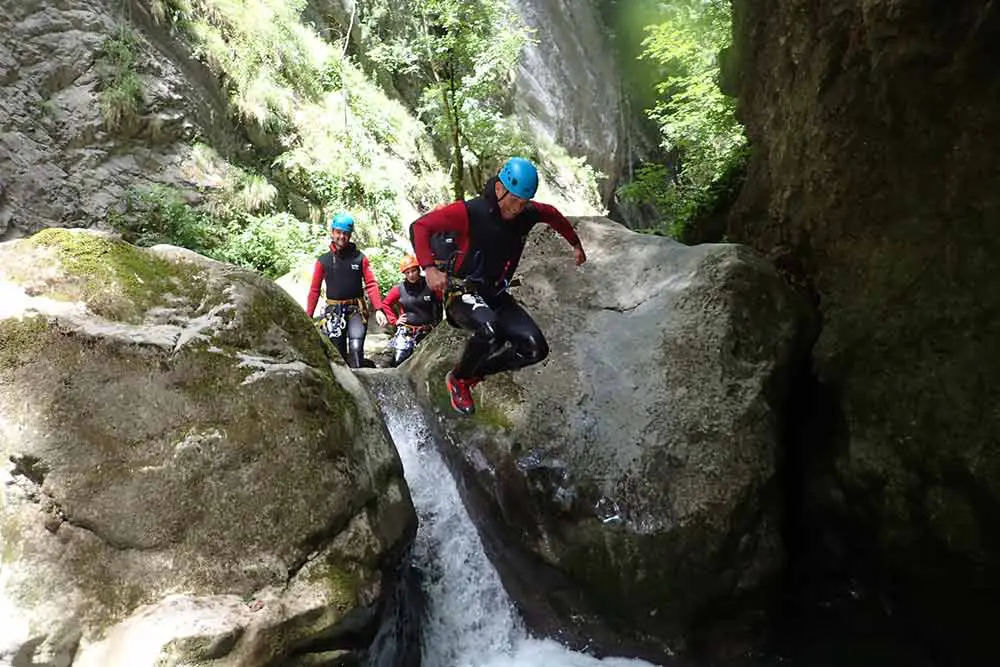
<point x="520" y="177"/>
<point x="343" y="222"/>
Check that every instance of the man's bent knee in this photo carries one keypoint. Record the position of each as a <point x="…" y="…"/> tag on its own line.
<point x="355" y="352"/>
<point x="486" y="332"/>
<point x="533" y="349"/>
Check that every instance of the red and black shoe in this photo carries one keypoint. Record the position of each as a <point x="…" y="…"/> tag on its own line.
<point x="460" y="391"/>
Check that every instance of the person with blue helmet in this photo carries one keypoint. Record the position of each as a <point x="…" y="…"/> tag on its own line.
<point x="469" y="251"/>
<point x="347" y="275"/>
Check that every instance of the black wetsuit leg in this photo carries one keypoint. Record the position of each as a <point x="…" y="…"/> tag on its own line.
<point x="471" y="312"/>
<point x="504" y="337"/>
<point x="357" y="329"/>
<point x="525" y="343"/>
<point x="339" y="342"/>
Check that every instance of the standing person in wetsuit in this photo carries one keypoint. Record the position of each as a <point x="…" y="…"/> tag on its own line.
<point x="471" y="249"/>
<point x="420" y="310"/>
<point x="345" y="270"/>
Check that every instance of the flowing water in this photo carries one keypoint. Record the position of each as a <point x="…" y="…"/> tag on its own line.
<point x="469" y="619"/>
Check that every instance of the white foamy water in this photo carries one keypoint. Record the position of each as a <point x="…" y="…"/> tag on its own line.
<point x="470" y="621"/>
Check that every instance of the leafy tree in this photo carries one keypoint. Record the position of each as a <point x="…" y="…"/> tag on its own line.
<point x="385" y="265"/>
<point x="325" y="139"/>
<point x="465" y="53"/>
<point x="699" y="130"/>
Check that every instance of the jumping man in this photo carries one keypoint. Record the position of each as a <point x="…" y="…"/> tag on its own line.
<point x="469" y="251"/>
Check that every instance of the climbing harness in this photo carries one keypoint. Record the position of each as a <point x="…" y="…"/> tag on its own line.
<point x="338" y="311"/>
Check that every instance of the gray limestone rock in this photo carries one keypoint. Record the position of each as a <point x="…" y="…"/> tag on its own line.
<point x="638" y="460"/>
<point x="63" y="163"/>
<point x="187" y="475"/>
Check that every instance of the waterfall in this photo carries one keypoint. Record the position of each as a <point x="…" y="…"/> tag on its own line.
<point x="469" y="619"/>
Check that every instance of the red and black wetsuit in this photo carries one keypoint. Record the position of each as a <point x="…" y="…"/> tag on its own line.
<point x="348" y="276"/>
<point x="470" y="240"/>
<point x="422" y="307"/>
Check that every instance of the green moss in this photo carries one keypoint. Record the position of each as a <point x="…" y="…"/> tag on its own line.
<point x="10" y="539"/>
<point x="200" y="648"/>
<point x="499" y="397"/>
<point x="114" y="600"/>
<point x="491" y="415"/>
<point x="495" y="401"/>
<point x="271" y="308"/>
<point x="207" y="374"/>
<point x="343" y="586"/>
<point x="21" y="340"/>
<point x="116" y="280"/>
<point x="438" y="392"/>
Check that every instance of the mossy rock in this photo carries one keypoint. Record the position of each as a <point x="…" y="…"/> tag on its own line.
<point x="21" y="340"/>
<point x="177" y="423"/>
<point x="117" y="280"/>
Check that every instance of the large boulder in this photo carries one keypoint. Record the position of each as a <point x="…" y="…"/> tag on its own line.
<point x="631" y="475"/>
<point x="188" y="478"/>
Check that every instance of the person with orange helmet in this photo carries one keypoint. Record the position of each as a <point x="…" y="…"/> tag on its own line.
<point x="420" y="308"/>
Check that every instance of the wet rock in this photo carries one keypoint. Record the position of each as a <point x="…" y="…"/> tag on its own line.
<point x="626" y="485"/>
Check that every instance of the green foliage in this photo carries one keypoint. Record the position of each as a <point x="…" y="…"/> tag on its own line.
<point x="241" y="193"/>
<point x="698" y="125"/>
<point x="628" y="22"/>
<point x="491" y="138"/>
<point x="270" y="61"/>
<point x="572" y="176"/>
<point x="464" y="53"/>
<point x="341" y="166"/>
<point x="682" y="202"/>
<point x="159" y="214"/>
<point x="327" y="139"/>
<point x="222" y="229"/>
<point x="385" y="266"/>
<point x="334" y="142"/>
<point x="169" y="12"/>
<point x="271" y="244"/>
<point x="121" y="90"/>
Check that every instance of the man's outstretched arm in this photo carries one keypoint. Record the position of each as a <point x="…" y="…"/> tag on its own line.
<point x="551" y="216"/>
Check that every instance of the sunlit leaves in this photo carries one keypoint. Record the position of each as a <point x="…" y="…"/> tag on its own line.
<point x="465" y="53"/>
<point x="699" y="130"/>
